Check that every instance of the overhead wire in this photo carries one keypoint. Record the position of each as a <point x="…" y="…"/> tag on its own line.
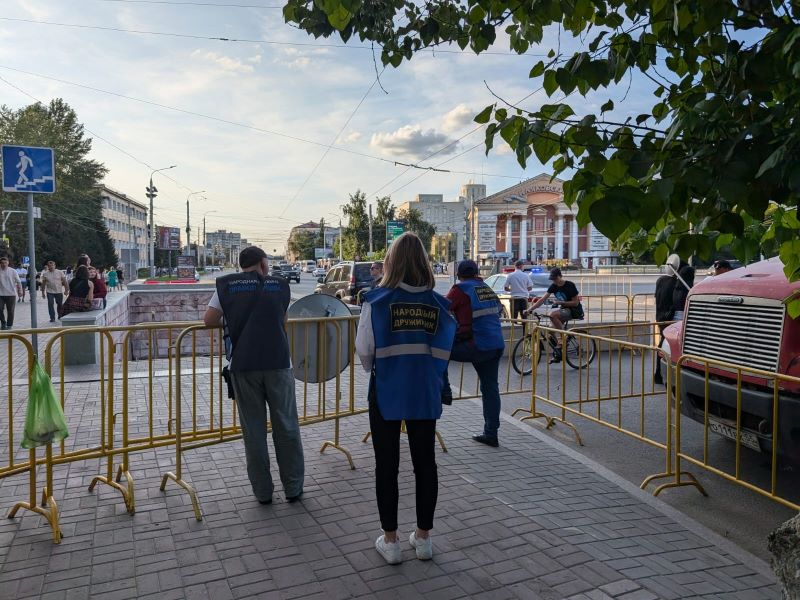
<point x="213" y="4"/>
<point x="333" y="141"/>
<point x="211" y="118"/>
<point x="242" y="40"/>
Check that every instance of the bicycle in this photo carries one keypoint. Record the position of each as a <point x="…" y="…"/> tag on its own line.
<point x="578" y="352"/>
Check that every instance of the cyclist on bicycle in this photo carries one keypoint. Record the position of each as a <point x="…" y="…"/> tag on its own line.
<point x="567" y="300"/>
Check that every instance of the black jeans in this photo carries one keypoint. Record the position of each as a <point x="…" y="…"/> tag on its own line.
<point x="54" y="302"/>
<point x="7" y="304"/>
<point x="386" y="444"/>
<point x="518" y="306"/>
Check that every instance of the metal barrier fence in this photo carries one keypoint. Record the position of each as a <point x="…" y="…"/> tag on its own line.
<point x="776" y="397"/>
<point x="604" y="379"/>
<point x="158" y="385"/>
<point x="311" y="342"/>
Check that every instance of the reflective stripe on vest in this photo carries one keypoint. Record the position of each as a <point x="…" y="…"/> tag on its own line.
<point x="413" y="333"/>
<point x="483" y="312"/>
<point x="403" y="349"/>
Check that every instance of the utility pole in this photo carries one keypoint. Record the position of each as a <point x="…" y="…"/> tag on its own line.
<point x="370" y="230"/>
<point x="152" y="192"/>
<point x="340" y="240"/>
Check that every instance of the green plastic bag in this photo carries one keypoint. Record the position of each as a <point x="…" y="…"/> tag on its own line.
<point x="44" y="422"/>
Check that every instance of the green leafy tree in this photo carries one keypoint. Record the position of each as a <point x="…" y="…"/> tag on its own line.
<point x="356" y="233"/>
<point x="72" y="221"/>
<point x="414" y="222"/>
<point x="302" y="245"/>
<point x="384" y="212"/>
<point x="696" y="172"/>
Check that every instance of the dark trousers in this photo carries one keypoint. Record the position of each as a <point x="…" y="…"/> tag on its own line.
<point x="386" y="444"/>
<point x="657" y="375"/>
<point x="518" y="306"/>
<point x="54" y="303"/>
<point x="486" y="364"/>
<point x="7" y="306"/>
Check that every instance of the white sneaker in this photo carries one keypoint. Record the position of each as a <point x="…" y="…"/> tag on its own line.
<point x="424" y="547"/>
<point x="390" y="552"/>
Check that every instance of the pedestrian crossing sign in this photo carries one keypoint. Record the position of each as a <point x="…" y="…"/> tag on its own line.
<point x="28" y="169"/>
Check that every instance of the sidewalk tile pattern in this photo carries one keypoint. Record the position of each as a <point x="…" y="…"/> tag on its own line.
<point x="521" y="521"/>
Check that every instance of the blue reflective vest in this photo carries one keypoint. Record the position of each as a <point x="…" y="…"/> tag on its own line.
<point x="414" y="334"/>
<point x="486" y="330"/>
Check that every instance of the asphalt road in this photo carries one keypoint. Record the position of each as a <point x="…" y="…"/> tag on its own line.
<point x="731" y="510"/>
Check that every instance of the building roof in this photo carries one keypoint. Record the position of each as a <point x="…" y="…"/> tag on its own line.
<point x="517" y="193"/>
<point x="111" y="191"/>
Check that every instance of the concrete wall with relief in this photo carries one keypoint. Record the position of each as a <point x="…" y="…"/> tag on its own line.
<point x="168" y="306"/>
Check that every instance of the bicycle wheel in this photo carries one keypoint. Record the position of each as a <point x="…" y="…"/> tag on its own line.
<point x="522" y="356"/>
<point x="580" y="351"/>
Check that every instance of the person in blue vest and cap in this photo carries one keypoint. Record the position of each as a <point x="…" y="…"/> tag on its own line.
<point x="404" y="338"/>
<point x="479" y="340"/>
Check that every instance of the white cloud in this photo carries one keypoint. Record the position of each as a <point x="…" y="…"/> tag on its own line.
<point x="351" y="137"/>
<point x="412" y="140"/>
<point x="457" y="118"/>
<point x="226" y="63"/>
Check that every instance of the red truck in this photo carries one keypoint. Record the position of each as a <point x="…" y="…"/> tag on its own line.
<point x="740" y="317"/>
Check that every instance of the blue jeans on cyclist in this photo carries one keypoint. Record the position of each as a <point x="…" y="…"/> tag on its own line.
<point x="486" y="365"/>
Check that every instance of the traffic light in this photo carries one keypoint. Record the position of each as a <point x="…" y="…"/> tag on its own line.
<point x="5" y="244"/>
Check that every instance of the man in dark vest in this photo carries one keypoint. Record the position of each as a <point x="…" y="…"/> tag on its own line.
<point x="252" y="306"/>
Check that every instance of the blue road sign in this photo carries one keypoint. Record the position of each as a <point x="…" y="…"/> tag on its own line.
<point x="28" y="169"/>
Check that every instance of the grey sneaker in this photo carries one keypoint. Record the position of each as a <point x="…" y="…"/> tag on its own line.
<point x="390" y="552"/>
<point x="424" y="548"/>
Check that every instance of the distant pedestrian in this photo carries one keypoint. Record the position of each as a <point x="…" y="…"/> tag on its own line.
<point x="404" y="338"/>
<point x="112" y="279"/>
<point x="100" y="289"/>
<point x="682" y="287"/>
<point x="68" y="273"/>
<point x="23" y="279"/>
<point x="81" y="293"/>
<point x="10" y="291"/>
<point x="251" y="306"/>
<point x="121" y="277"/>
<point x="665" y="306"/>
<point x="722" y="266"/>
<point x="54" y="286"/>
<point x="519" y="284"/>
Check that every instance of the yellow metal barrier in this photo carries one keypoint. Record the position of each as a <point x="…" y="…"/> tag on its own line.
<point x="321" y="334"/>
<point x="588" y="382"/>
<point x="708" y="369"/>
<point x="643" y="308"/>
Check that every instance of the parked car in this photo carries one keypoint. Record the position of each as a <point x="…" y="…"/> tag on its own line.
<point x="498" y="282"/>
<point x="740" y="317"/>
<point x="290" y="272"/>
<point x="309" y="266"/>
<point x="345" y="280"/>
<point x="319" y="272"/>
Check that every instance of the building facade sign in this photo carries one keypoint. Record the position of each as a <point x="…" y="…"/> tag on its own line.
<point x="487" y="228"/>
<point x="597" y="241"/>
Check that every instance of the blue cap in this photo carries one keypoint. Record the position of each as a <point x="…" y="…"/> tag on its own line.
<point x="467" y="268"/>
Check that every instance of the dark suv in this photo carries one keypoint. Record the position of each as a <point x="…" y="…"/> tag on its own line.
<point x="288" y="271"/>
<point x="345" y="280"/>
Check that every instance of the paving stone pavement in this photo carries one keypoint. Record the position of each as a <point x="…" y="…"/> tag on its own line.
<point x="530" y="519"/>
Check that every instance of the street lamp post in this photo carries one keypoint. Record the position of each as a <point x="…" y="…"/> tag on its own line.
<point x="152" y="192"/>
<point x="188" y="226"/>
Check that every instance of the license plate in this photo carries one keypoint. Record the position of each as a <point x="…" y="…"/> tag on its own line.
<point x="749" y="439"/>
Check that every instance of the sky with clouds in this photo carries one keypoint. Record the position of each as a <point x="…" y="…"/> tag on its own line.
<point x="278" y="128"/>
